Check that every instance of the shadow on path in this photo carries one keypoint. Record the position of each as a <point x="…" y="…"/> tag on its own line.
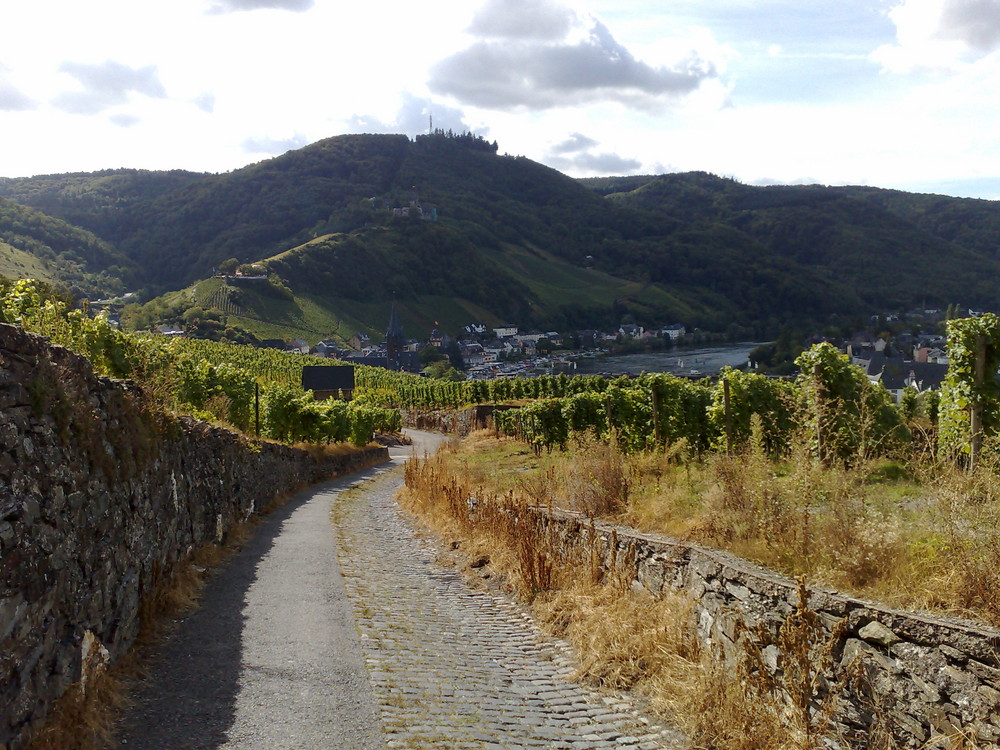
<point x="197" y="674"/>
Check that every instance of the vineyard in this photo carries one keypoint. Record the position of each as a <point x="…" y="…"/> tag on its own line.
<point x="844" y="416"/>
<point x="831" y="404"/>
<point x="253" y="390"/>
<point x="225" y="298"/>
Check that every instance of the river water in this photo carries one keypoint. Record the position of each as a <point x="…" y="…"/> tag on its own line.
<point x="680" y="361"/>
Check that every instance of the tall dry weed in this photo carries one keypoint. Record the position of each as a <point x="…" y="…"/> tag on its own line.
<point x="597" y="481"/>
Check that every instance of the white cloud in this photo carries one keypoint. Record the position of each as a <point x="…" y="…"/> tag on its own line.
<point x="230" y="6"/>
<point x="584" y="63"/>
<point x="516" y="19"/>
<point x="975" y="22"/>
<point x="205" y="102"/>
<point x="941" y="35"/>
<point x="12" y="99"/>
<point x="274" y="146"/>
<point x="576" y="142"/>
<point x="412" y="118"/>
<point x="105" y="85"/>
<point x="575" y="156"/>
<point x="594" y="164"/>
<point x="125" y="121"/>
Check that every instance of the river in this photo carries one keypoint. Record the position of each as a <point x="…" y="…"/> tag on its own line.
<point x="680" y="361"/>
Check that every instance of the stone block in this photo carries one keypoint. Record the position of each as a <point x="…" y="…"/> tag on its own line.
<point x="876" y="632"/>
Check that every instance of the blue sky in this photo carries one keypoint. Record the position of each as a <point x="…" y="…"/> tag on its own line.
<point x="890" y="93"/>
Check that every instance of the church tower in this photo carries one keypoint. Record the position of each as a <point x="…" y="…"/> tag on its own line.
<point x="394" y="341"/>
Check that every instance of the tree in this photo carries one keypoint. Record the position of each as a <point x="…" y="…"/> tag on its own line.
<point x="228" y="266"/>
<point x="429" y="355"/>
<point x="970" y="387"/>
<point x="454" y="352"/>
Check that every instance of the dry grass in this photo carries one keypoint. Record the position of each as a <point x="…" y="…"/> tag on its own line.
<point x="326" y="450"/>
<point x="911" y="534"/>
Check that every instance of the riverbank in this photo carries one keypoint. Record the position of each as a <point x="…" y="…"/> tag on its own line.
<point x="693" y="361"/>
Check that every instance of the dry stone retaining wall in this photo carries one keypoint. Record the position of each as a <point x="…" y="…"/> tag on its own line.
<point x="920" y="676"/>
<point x="458" y="422"/>
<point x="100" y="498"/>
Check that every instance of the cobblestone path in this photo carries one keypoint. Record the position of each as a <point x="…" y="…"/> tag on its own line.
<point x="452" y="667"/>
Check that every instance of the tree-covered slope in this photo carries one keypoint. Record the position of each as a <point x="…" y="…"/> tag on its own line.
<point x="37" y="245"/>
<point x="517" y="240"/>
<point x="845" y="248"/>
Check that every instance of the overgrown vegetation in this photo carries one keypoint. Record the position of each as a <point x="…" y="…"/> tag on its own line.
<point x="248" y="389"/>
<point x="896" y="531"/>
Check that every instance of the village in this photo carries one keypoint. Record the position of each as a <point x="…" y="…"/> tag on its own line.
<point x="481" y="352"/>
<point x="902" y="357"/>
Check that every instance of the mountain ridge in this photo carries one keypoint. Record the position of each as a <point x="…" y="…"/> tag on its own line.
<point x="514" y="239"/>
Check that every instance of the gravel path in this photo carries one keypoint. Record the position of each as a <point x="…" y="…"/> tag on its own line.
<point x="286" y="652"/>
<point x="271" y="659"/>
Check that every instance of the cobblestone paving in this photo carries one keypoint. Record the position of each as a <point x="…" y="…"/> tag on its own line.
<point x="452" y="667"/>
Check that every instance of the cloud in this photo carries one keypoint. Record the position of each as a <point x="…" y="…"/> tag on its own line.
<point x="205" y="102"/>
<point x="975" y="22"/>
<point x="576" y="142"/>
<point x="940" y="34"/>
<point x="413" y="118"/>
<point x="106" y="85"/>
<point x="574" y="155"/>
<point x="125" y="121"/>
<point x="772" y="182"/>
<point x="12" y="99"/>
<point x="515" y="19"/>
<point x="525" y="72"/>
<point x="233" y="6"/>
<point x="273" y="146"/>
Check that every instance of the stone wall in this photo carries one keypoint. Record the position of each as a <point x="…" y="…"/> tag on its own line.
<point x="100" y="498"/>
<point x="921" y="677"/>
<point x="459" y="422"/>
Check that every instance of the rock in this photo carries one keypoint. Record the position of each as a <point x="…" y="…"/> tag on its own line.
<point x="953" y="653"/>
<point x="876" y="632"/>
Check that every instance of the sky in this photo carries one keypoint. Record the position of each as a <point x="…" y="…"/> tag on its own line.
<point x="889" y="93"/>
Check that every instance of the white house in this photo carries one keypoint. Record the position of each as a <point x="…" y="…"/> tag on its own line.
<point x="674" y="331"/>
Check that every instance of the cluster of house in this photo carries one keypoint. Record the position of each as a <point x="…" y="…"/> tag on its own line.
<point x="483" y="349"/>
<point x="924" y="369"/>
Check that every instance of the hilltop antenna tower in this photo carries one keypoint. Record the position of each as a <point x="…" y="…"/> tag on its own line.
<point x="430" y="130"/>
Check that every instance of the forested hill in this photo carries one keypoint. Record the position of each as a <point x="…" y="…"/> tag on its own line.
<point x="34" y="244"/>
<point x="515" y="239"/>
<point x="878" y="247"/>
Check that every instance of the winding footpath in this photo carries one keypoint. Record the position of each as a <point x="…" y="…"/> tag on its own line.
<point x="352" y="637"/>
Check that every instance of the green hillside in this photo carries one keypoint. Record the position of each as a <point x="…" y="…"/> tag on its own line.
<point x="35" y="245"/>
<point x="824" y="249"/>
<point x="512" y="240"/>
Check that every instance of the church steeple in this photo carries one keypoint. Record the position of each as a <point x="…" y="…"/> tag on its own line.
<point x="394" y="341"/>
<point x="395" y="330"/>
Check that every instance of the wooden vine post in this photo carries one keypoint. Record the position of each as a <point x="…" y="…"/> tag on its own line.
<point x="820" y="411"/>
<point x="976" y="411"/>
<point x="657" y="430"/>
<point x="728" y="416"/>
<point x="256" y="407"/>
